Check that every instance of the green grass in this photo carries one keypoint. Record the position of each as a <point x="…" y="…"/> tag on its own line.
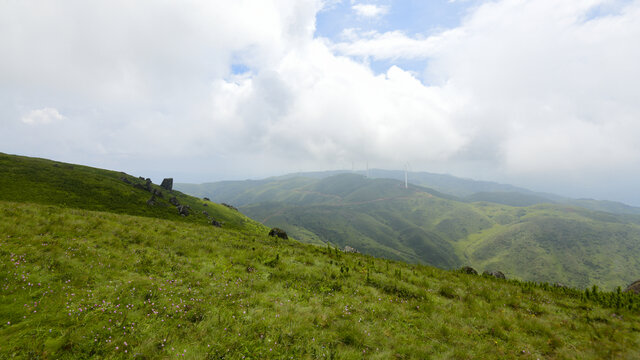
<point x="42" y="181"/>
<point x="543" y="242"/>
<point x="85" y="284"/>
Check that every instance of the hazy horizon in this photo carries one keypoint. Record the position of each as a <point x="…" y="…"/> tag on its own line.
<point x="538" y="94"/>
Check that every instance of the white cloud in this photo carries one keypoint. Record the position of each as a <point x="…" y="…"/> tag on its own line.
<point x="526" y="89"/>
<point x="333" y="109"/>
<point x="370" y="10"/>
<point x="391" y="45"/>
<point x="42" y="116"/>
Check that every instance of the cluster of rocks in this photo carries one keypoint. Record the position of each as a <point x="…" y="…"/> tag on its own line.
<point x="230" y="206"/>
<point x="212" y="221"/>
<point x="495" y="274"/>
<point x="146" y="186"/>
<point x="277" y="232"/>
<point x="349" y="249"/>
<point x="183" y="210"/>
<point x="468" y="270"/>
<point x="471" y="271"/>
<point x="167" y="184"/>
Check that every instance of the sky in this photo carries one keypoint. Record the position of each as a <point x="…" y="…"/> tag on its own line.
<point x="543" y="94"/>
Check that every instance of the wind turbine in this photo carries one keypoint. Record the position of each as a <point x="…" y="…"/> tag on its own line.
<point x="406" y="178"/>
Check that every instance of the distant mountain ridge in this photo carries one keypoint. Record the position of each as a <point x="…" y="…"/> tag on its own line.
<point x="462" y="188"/>
<point x="522" y="234"/>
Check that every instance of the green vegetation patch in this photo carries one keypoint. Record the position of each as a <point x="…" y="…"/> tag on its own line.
<point x="82" y="284"/>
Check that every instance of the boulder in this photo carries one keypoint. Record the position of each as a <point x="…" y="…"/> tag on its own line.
<point x="349" y="249"/>
<point x="147" y="185"/>
<point x="174" y="201"/>
<point x="183" y="210"/>
<point x="277" y="232"/>
<point x="495" y="274"/>
<point x="167" y="184"/>
<point x="204" y="212"/>
<point x="206" y="198"/>
<point x="157" y="193"/>
<point x="125" y="180"/>
<point x="468" y="270"/>
<point x="152" y="200"/>
<point x="215" y="223"/>
<point x="634" y="287"/>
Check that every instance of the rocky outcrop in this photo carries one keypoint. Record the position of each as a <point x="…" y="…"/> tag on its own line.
<point x="147" y="185"/>
<point x="349" y="249"/>
<point x="167" y="184"/>
<point x="495" y="274"/>
<point x="152" y="200"/>
<point x="174" y="201"/>
<point x="468" y="270"/>
<point x="125" y="180"/>
<point x="206" y="198"/>
<point x="230" y="206"/>
<point x="157" y="193"/>
<point x="216" y="223"/>
<point x="277" y="232"/>
<point x="183" y="210"/>
<point x="634" y="287"/>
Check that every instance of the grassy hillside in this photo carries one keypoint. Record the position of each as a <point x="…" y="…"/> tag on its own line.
<point x="86" y="284"/>
<point x="540" y="242"/>
<point x="41" y="181"/>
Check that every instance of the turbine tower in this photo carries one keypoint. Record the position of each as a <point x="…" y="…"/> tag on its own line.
<point x="406" y="177"/>
<point x="406" y="185"/>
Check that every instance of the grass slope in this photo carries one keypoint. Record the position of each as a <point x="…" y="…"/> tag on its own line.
<point x="42" y="181"/>
<point x="540" y="242"/>
<point x="85" y="284"/>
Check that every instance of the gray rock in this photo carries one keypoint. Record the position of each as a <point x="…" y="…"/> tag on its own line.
<point x="495" y="274"/>
<point x="174" y="201"/>
<point x="230" y="206"/>
<point x="183" y="210"/>
<point x="349" y="249"/>
<point x="167" y="184"/>
<point x="468" y="270"/>
<point x="277" y="232"/>
<point x="152" y="200"/>
<point x="125" y="180"/>
<point x="216" y="223"/>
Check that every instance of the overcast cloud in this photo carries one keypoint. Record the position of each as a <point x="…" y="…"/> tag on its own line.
<point x="539" y="93"/>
